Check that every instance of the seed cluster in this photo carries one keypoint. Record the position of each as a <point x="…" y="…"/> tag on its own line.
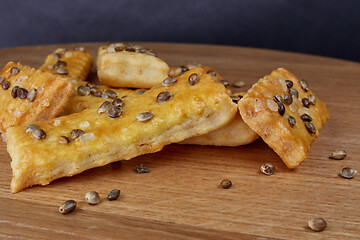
<point x="130" y="48"/>
<point x="112" y="109"/>
<point x="90" y="89"/>
<point x="35" y="131"/>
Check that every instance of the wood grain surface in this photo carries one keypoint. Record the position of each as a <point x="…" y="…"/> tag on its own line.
<point x="180" y="198"/>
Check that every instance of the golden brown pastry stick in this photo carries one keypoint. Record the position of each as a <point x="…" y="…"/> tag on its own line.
<point x="285" y="113"/>
<point x="147" y="123"/>
<point x="28" y="95"/>
<point x="74" y="64"/>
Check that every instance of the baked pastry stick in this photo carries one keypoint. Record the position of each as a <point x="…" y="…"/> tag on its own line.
<point x="191" y="106"/>
<point x="121" y="65"/>
<point x="285" y="113"/>
<point x="28" y="95"/>
<point x="235" y="133"/>
<point x="74" y="64"/>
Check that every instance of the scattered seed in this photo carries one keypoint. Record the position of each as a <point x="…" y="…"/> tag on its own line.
<point x="348" y="172"/>
<point x="140" y="92"/>
<point x="312" y="99"/>
<point x="144" y="116"/>
<point x="83" y="90"/>
<point x="288" y="99"/>
<point x="310" y="127"/>
<point x="14" y="70"/>
<point x="22" y="93"/>
<point x="59" y="64"/>
<point x="281" y="109"/>
<point x="338" y="155"/>
<point x="317" y="224"/>
<point x="111" y="94"/>
<point x="130" y="49"/>
<point x="113" y="195"/>
<point x="14" y="91"/>
<point x="92" y="198"/>
<point x="39" y="133"/>
<point x="75" y="133"/>
<point x="235" y="98"/>
<point x="193" y="78"/>
<point x="226" y="184"/>
<point x="163" y="96"/>
<point x="292" y="121"/>
<point x="32" y="95"/>
<point x="238" y="84"/>
<point x="142" y="169"/>
<point x="31" y="128"/>
<point x="306" y="102"/>
<point x="114" y="111"/>
<point x="306" y="118"/>
<point x="67" y="206"/>
<point x="289" y="83"/>
<point x="64" y="140"/>
<point x="278" y="99"/>
<point x="168" y="81"/>
<point x="118" y="102"/>
<point x="304" y="85"/>
<point x="294" y="92"/>
<point x="62" y="71"/>
<point x="268" y="169"/>
<point x="5" y="85"/>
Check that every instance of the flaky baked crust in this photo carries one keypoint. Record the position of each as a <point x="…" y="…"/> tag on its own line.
<point x="77" y="63"/>
<point x="53" y="94"/>
<point x="186" y="114"/>
<point x="260" y="112"/>
<point x="122" y="68"/>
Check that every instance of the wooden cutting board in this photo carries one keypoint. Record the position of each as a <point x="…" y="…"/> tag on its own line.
<point x="180" y="198"/>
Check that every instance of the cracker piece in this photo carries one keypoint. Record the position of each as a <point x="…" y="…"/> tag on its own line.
<point x="192" y="110"/>
<point x="260" y="111"/>
<point x="121" y="65"/>
<point x="52" y="95"/>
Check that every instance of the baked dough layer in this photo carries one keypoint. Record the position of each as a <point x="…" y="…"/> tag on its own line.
<point x="260" y="112"/>
<point x="53" y="94"/>
<point x="117" y="67"/>
<point x="193" y="110"/>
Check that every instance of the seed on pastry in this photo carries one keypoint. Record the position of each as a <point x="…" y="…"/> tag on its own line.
<point x="130" y="49"/>
<point x="294" y="92"/>
<point x="348" y="173"/>
<point x="312" y="99"/>
<point x="306" y="118"/>
<point x="92" y="197"/>
<point x="304" y="85"/>
<point x="281" y="109"/>
<point x="5" y="85"/>
<point x="75" y="133"/>
<point x="169" y="81"/>
<point x="235" y="99"/>
<point x="14" y="91"/>
<point x="59" y="64"/>
<point x="113" y="195"/>
<point x="288" y="98"/>
<point x="193" y="78"/>
<point x="238" y="84"/>
<point x="67" y="207"/>
<point x="140" y="92"/>
<point x="22" y="93"/>
<point x="292" y="121"/>
<point x="224" y="82"/>
<point x="57" y="56"/>
<point x="1" y="79"/>
<point x="14" y="70"/>
<point x="97" y="93"/>
<point x="32" y="95"/>
<point x="114" y="111"/>
<point x="62" y="71"/>
<point x="118" y="49"/>
<point x="306" y="102"/>
<point x="118" y="102"/>
<point x="64" y="140"/>
<point x="212" y="73"/>
<point x="144" y="116"/>
<point x="90" y="85"/>
<point x="310" y="127"/>
<point x="268" y="169"/>
<point x="39" y="133"/>
<point x="104" y="107"/>
<point x="338" y="155"/>
<point x="278" y="99"/>
<point x="30" y="128"/>
<point x="111" y="94"/>
<point x="83" y="90"/>
<point x="163" y="96"/>
<point x="289" y="83"/>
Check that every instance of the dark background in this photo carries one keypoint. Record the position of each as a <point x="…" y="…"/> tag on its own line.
<point x="321" y="27"/>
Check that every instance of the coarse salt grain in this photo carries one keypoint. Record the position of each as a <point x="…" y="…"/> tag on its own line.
<point x="17" y="113"/>
<point x="86" y="137"/>
<point x="3" y="137"/>
<point x="57" y="123"/>
<point x="272" y="105"/>
<point x="84" y="124"/>
<point x="258" y="105"/>
<point x="282" y="83"/>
